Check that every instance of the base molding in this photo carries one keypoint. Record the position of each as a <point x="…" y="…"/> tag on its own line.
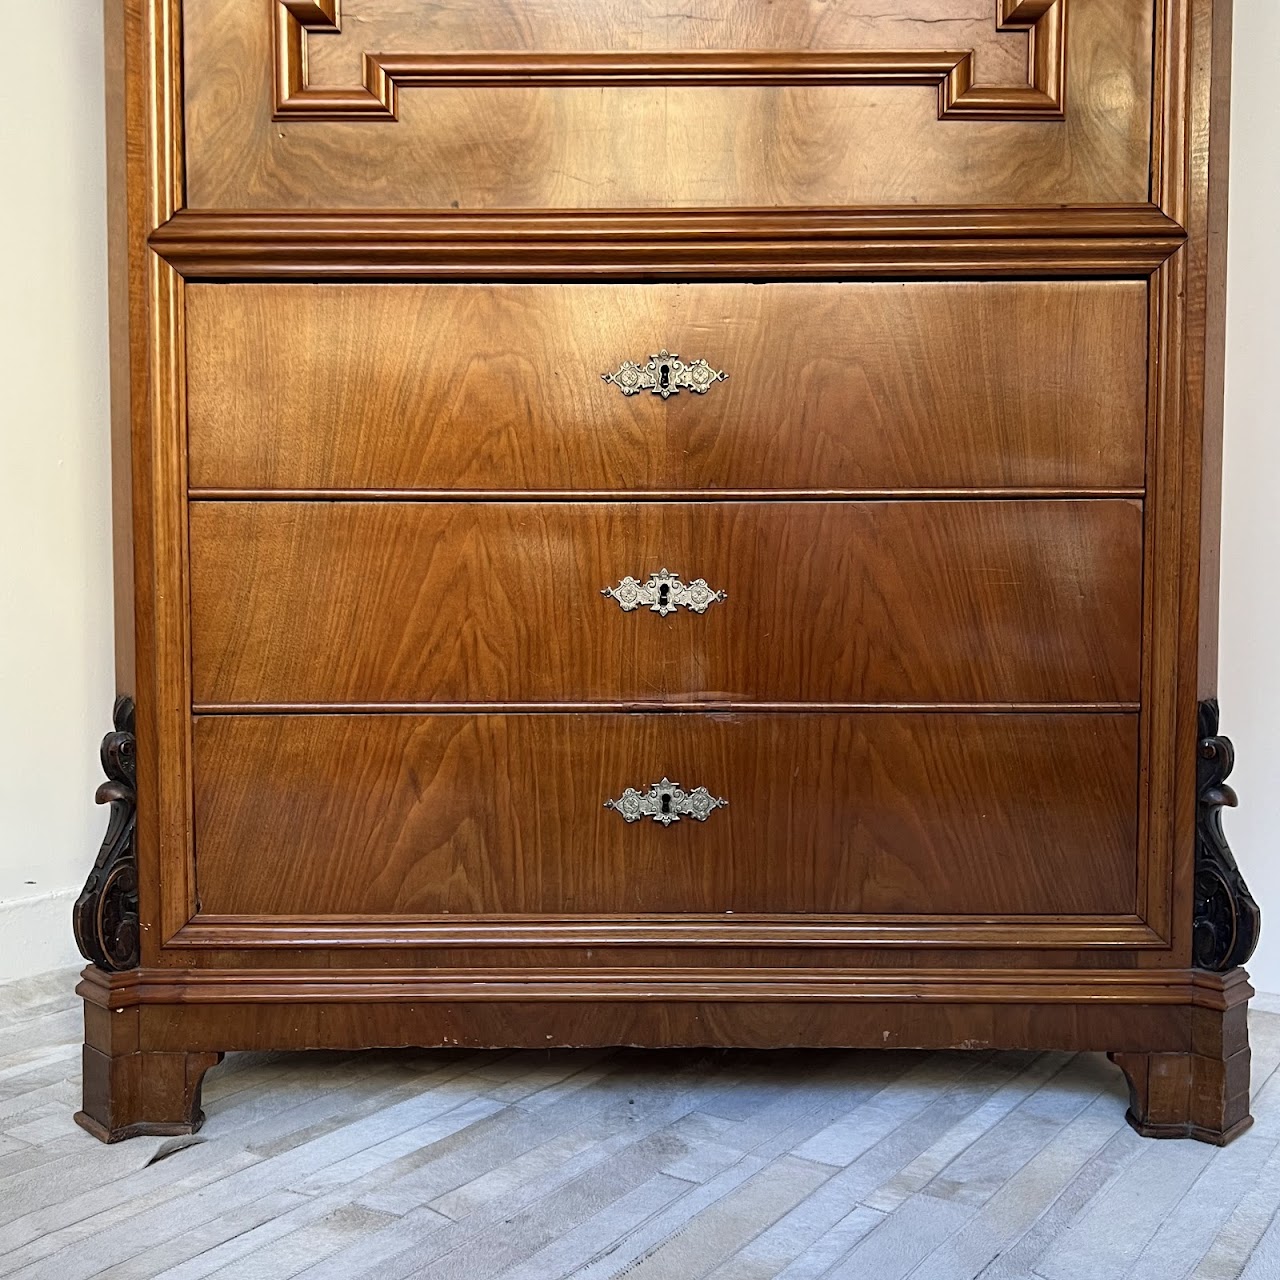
<point x="528" y="985"/>
<point x="1179" y="1035"/>
<point x="141" y="1129"/>
<point x="1197" y="1133"/>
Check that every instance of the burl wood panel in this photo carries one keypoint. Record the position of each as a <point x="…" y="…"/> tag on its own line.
<point x="843" y="602"/>
<point x="637" y="146"/>
<point x="871" y="813"/>
<point x="656" y="25"/>
<point x="830" y="386"/>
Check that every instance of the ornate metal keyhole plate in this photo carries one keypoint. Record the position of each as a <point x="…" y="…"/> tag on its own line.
<point x="663" y="594"/>
<point x="666" y="802"/>
<point x="665" y="375"/>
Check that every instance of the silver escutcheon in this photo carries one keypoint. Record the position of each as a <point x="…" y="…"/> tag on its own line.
<point x="665" y="375"/>
<point x="666" y="802"/>
<point x="663" y="593"/>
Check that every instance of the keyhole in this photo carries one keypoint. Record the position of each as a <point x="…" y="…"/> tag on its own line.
<point x="666" y="802"/>
<point x="664" y="592"/>
<point x="664" y="376"/>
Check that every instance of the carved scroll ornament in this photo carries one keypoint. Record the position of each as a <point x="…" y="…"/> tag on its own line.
<point x="1227" y="919"/>
<point x="105" y="917"/>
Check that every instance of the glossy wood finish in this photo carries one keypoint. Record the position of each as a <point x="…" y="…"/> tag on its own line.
<point x="147" y="176"/>
<point x="875" y="814"/>
<point x="830" y="386"/>
<point x="636" y="146"/>
<point x="905" y="242"/>
<point x="835" y="602"/>
<point x="490" y="185"/>
<point x="703" y="28"/>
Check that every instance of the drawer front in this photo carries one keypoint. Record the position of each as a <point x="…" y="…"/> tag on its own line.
<point x="880" y="814"/>
<point x="849" y="602"/>
<point x="829" y="386"/>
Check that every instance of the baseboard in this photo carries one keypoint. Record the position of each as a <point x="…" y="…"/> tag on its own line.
<point x="35" y="935"/>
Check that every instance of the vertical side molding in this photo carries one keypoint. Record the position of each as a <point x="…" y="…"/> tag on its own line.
<point x="1227" y="919"/>
<point x="147" y="187"/>
<point x="105" y="917"/>
<point x="1201" y="1089"/>
<point x="1189" y="186"/>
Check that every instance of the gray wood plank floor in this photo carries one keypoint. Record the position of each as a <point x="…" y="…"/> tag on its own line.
<point x="666" y="1166"/>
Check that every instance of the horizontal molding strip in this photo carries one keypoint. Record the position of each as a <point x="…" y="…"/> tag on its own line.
<point x="866" y="986"/>
<point x="1105" y="240"/>
<point x="659" y="495"/>
<point x="952" y="932"/>
<point x="693" y="707"/>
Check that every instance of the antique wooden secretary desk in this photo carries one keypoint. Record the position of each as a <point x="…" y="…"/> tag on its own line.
<point x="667" y="525"/>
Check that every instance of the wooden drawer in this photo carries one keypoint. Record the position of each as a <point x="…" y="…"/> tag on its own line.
<point x="830" y="386"/>
<point x="919" y="601"/>
<point x="875" y="813"/>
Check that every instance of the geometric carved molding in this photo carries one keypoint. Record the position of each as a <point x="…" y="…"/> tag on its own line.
<point x="952" y="71"/>
<point x="1227" y="919"/>
<point x="105" y="917"/>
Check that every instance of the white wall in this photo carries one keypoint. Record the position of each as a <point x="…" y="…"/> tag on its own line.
<point x="56" y="672"/>
<point x="1249" y="675"/>
<point x="55" y="606"/>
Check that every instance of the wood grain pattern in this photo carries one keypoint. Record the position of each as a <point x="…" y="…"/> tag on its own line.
<point x="303" y="92"/>
<point x="1072" y="835"/>
<point x="694" y="146"/>
<point x="830" y="386"/>
<point x="701" y="27"/>
<point x="423" y="815"/>
<point x="843" y="602"/>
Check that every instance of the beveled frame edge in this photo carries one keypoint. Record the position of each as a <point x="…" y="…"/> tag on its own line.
<point x="951" y="71"/>
<point x="1190" y="111"/>
<point x="146" y="187"/>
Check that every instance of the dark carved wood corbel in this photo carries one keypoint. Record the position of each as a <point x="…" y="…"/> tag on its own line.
<point x="1227" y="919"/>
<point x="105" y="917"/>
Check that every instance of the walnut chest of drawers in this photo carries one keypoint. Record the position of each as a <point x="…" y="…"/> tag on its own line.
<point x="667" y="528"/>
